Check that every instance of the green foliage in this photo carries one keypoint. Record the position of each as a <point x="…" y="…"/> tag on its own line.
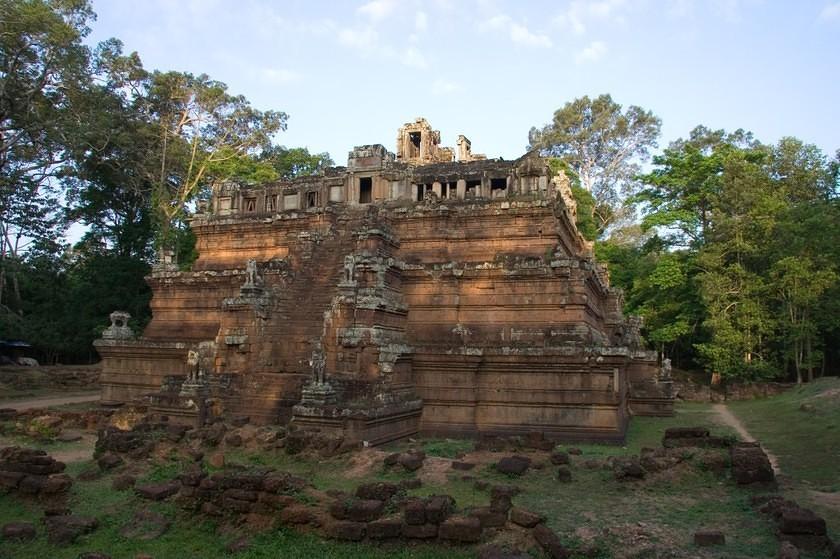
<point x="447" y="448"/>
<point x="603" y="145"/>
<point x="289" y="163"/>
<point x="735" y="276"/>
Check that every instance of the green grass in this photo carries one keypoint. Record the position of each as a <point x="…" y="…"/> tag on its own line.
<point x="628" y="519"/>
<point x="806" y="442"/>
<point x="446" y="448"/>
<point x="189" y="536"/>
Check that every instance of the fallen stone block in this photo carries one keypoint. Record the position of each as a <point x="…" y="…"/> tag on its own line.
<point x="364" y="510"/>
<point x="460" y="529"/>
<point x="296" y="514"/>
<point x="559" y="458"/>
<point x="750" y="464"/>
<point x="515" y="465"/>
<point x="379" y="491"/>
<point x="550" y="542"/>
<point x="64" y="530"/>
<point x="628" y="469"/>
<point x="564" y="474"/>
<point x="525" y="518"/>
<point x="18" y="531"/>
<point x="414" y="512"/>
<point x="438" y="508"/>
<point x="707" y="538"/>
<point x="109" y="461"/>
<point x="384" y="528"/>
<point x="347" y="530"/>
<point x="157" y="491"/>
<point x="801" y="521"/>
<point x="488" y="518"/>
<point x="420" y="531"/>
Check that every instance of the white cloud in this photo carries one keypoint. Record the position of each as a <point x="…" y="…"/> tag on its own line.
<point x="279" y="75"/>
<point x="518" y="32"/>
<point x="363" y="38"/>
<point x="830" y="12"/>
<point x="592" y="53"/>
<point x="522" y="35"/>
<point x="445" y="87"/>
<point x="421" y="21"/>
<point x="377" y="9"/>
<point x="581" y="13"/>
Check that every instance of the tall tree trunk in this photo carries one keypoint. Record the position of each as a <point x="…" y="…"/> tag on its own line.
<point x="808" y="355"/>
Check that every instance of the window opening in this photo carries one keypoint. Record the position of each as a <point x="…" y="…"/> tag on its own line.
<point x="365" y="190"/>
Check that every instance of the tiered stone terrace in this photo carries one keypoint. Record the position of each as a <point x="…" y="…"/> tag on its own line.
<point x="403" y="293"/>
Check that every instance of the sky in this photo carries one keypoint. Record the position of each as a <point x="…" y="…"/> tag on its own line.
<point x="350" y="73"/>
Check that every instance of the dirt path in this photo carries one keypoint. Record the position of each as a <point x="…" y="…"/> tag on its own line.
<point x="50" y="401"/>
<point x="728" y="418"/>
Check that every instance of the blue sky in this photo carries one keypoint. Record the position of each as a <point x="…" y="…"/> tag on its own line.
<point x="350" y="73"/>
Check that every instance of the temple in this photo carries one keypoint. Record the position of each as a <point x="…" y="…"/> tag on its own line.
<point x="429" y="291"/>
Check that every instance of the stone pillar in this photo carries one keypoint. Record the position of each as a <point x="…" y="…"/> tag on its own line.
<point x="437" y="189"/>
<point x="461" y="189"/>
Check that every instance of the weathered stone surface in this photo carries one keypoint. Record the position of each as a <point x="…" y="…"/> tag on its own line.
<point x="628" y="469"/>
<point x="109" y="461"/>
<point x="18" y="531"/>
<point x="345" y="257"/>
<point x="438" y="508"/>
<point x="64" y="530"/>
<point x="414" y="512"/>
<point x="488" y="518"/>
<point x="801" y="521"/>
<point x="550" y="542"/>
<point x="500" y="502"/>
<point x="460" y="529"/>
<point x="420" y="531"/>
<point x="564" y="474"/>
<point x="525" y="518"/>
<point x="381" y="491"/>
<point x="347" y="530"/>
<point x="515" y="465"/>
<point x="706" y="538"/>
<point x="750" y="464"/>
<point x="384" y="528"/>
<point x="559" y="458"/>
<point x="157" y="491"/>
<point x="296" y="514"/>
<point x="364" y="510"/>
<point x="411" y="461"/>
<point x="58" y="483"/>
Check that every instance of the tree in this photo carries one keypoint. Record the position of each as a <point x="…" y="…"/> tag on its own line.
<point x="295" y="162"/>
<point x="799" y="284"/>
<point x="603" y="145"/>
<point x="679" y="197"/>
<point x="43" y="69"/>
<point x="200" y="129"/>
